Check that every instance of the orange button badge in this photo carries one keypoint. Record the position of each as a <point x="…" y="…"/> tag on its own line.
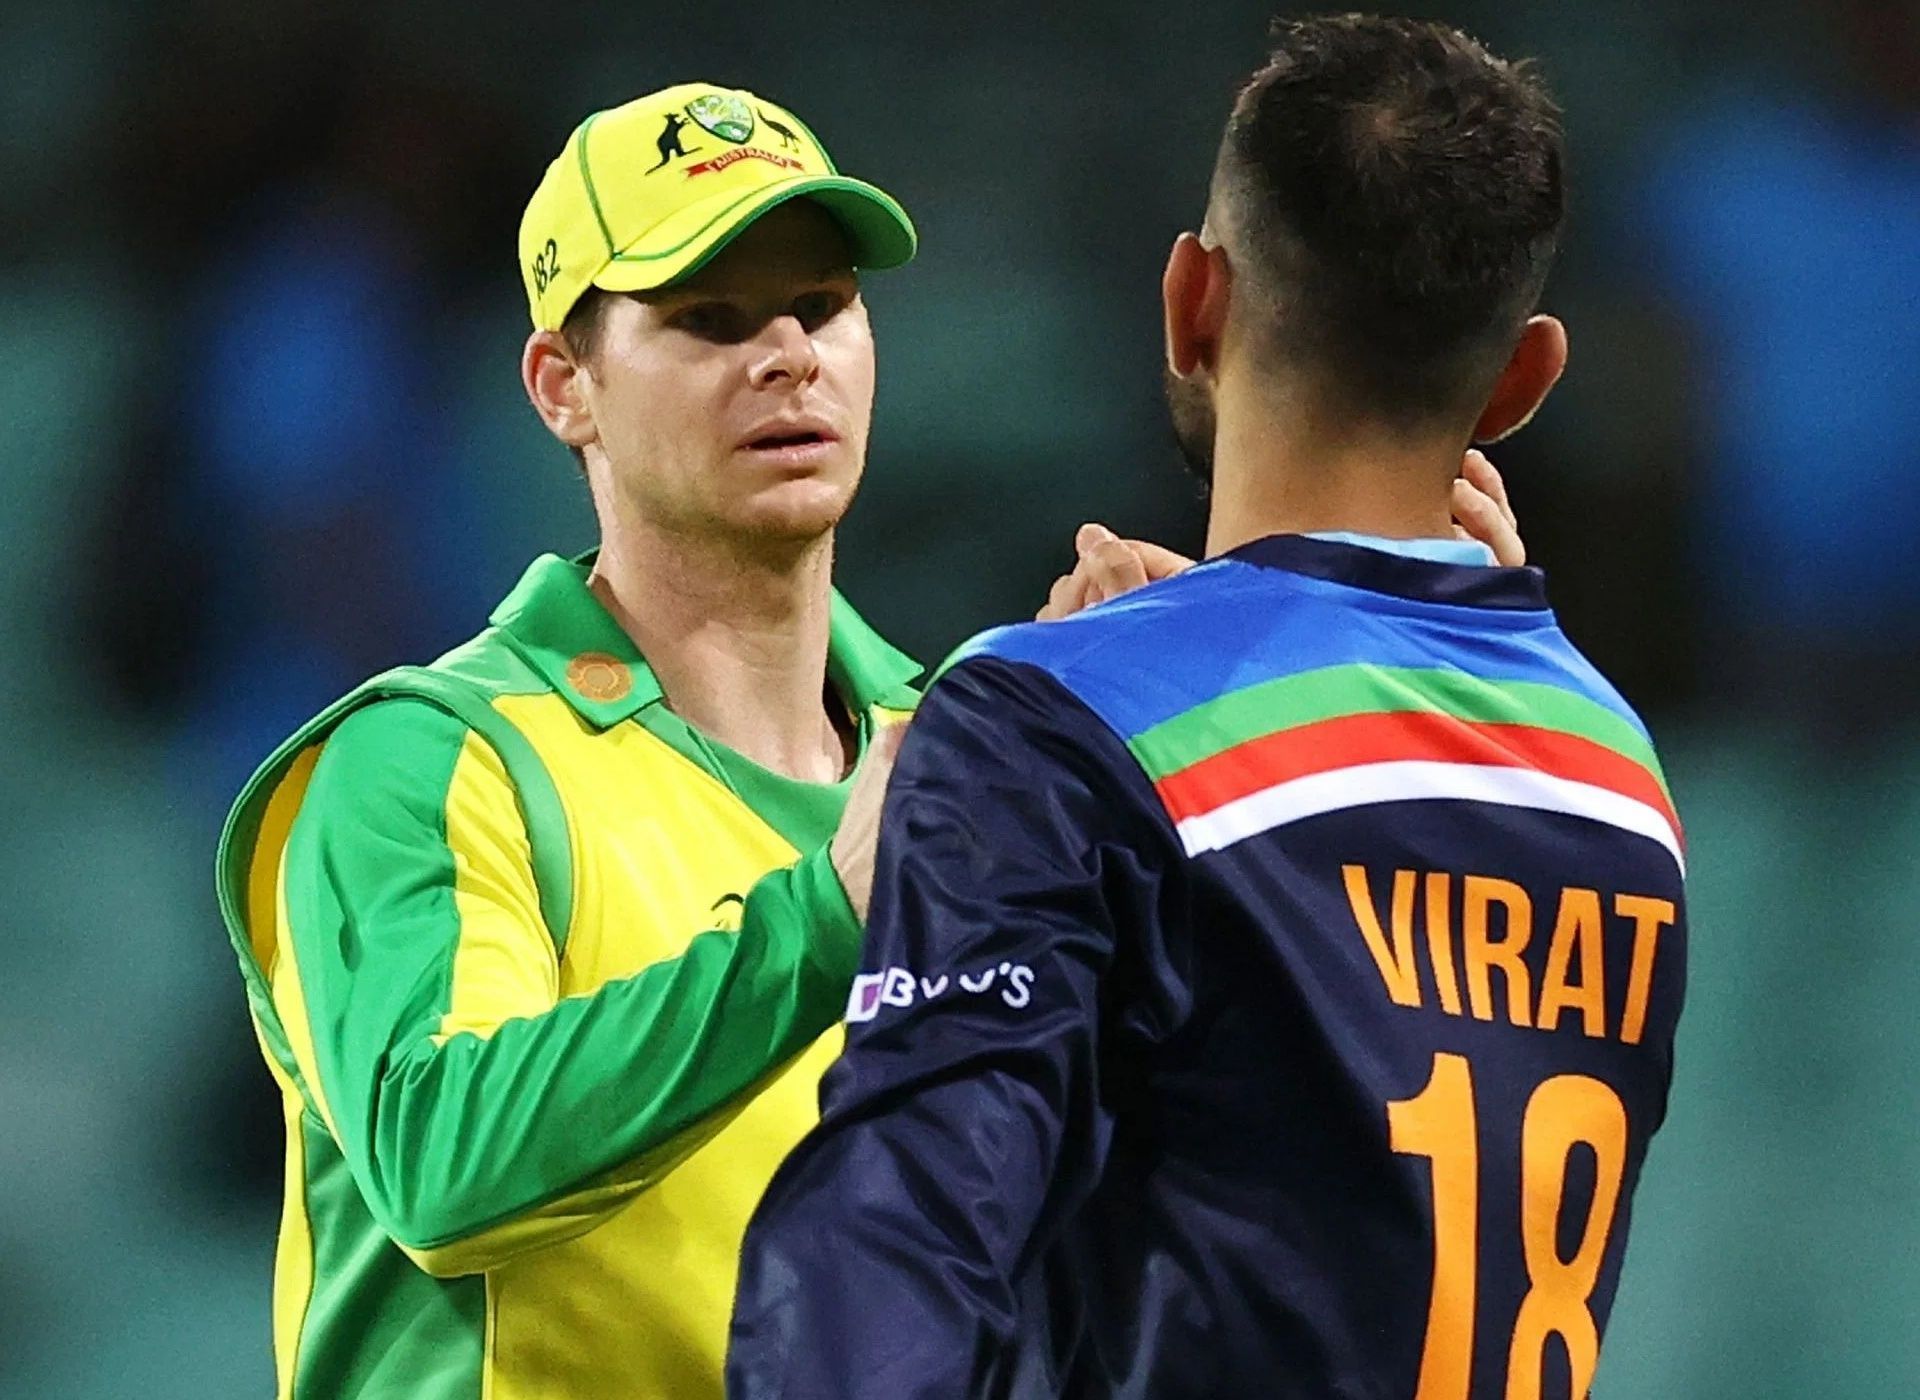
<point x="599" y="677"/>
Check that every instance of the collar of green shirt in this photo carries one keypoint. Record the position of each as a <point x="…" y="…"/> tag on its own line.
<point x="555" y="622"/>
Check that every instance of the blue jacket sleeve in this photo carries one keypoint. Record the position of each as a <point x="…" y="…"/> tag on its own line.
<point x="1021" y="853"/>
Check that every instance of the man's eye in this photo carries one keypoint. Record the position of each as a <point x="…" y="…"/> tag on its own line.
<point x="815" y="309"/>
<point x="712" y="320"/>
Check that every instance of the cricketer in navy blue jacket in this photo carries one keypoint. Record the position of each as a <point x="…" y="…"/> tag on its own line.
<point x="1270" y="991"/>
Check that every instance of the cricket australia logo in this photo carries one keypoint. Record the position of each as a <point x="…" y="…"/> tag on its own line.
<point x="725" y="115"/>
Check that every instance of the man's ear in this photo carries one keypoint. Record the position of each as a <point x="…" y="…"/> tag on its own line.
<point x="1193" y="299"/>
<point x="553" y="380"/>
<point x="1534" y="368"/>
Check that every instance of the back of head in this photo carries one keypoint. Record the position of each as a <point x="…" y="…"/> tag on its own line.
<point x="1390" y="195"/>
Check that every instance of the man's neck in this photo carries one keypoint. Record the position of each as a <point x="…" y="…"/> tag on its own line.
<point x="1283" y="468"/>
<point x="737" y="642"/>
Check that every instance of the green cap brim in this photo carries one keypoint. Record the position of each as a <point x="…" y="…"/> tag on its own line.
<point x="878" y="231"/>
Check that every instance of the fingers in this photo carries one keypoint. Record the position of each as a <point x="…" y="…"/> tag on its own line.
<point x="1481" y="506"/>
<point x="1110" y="564"/>
<point x="1480" y="472"/>
<point x="1106" y="568"/>
<point x="1480" y="516"/>
<point x="1068" y="596"/>
<point x="1158" y="561"/>
<point x="1090" y="535"/>
<point x="1149" y="562"/>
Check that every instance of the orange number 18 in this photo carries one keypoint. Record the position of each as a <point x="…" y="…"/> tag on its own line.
<point x="1439" y="1124"/>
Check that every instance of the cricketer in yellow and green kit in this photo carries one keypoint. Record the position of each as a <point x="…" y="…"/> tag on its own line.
<point x="545" y="975"/>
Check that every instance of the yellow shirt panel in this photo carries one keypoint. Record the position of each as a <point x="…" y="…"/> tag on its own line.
<point x="639" y="1305"/>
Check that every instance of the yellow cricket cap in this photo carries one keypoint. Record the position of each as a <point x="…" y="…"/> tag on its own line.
<point x="645" y="193"/>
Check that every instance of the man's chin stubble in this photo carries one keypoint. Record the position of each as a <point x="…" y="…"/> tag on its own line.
<point x="1190" y="413"/>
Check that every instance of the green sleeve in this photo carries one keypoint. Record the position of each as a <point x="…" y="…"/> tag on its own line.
<point x="452" y="1136"/>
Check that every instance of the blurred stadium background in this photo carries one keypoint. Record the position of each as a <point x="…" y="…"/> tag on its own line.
<point x="261" y="434"/>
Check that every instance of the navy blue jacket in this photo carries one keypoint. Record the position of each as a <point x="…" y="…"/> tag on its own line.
<point x="1270" y="991"/>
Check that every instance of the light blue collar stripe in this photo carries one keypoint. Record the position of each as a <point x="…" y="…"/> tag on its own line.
<point x="1433" y="551"/>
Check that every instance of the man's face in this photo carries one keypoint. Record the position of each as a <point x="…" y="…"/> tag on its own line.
<point x="735" y="404"/>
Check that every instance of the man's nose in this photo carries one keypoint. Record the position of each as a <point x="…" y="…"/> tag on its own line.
<point x="787" y="353"/>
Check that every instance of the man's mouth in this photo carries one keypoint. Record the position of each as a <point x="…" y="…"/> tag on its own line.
<point x="771" y="442"/>
<point x="795" y="446"/>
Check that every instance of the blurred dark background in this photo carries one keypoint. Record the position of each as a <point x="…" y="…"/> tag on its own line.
<point x="261" y="434"/>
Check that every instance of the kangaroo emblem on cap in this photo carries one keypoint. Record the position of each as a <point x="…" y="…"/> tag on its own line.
<point x="725" y="115"/>
<point x="670" y="144"/>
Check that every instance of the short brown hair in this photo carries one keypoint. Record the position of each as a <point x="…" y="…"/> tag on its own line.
<point x="1396" y="190"/>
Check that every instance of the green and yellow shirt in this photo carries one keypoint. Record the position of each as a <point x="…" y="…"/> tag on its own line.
<point x="546" y="979"/>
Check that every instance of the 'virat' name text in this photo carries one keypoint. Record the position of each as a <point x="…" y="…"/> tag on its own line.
<point x="1496" y="923"/>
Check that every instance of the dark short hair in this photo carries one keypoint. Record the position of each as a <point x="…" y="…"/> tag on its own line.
<point x="584" y="321"/>
<point x="1396" y="191"/>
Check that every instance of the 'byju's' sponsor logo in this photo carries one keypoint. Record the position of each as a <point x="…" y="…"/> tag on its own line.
<point x="898" y="987"/>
